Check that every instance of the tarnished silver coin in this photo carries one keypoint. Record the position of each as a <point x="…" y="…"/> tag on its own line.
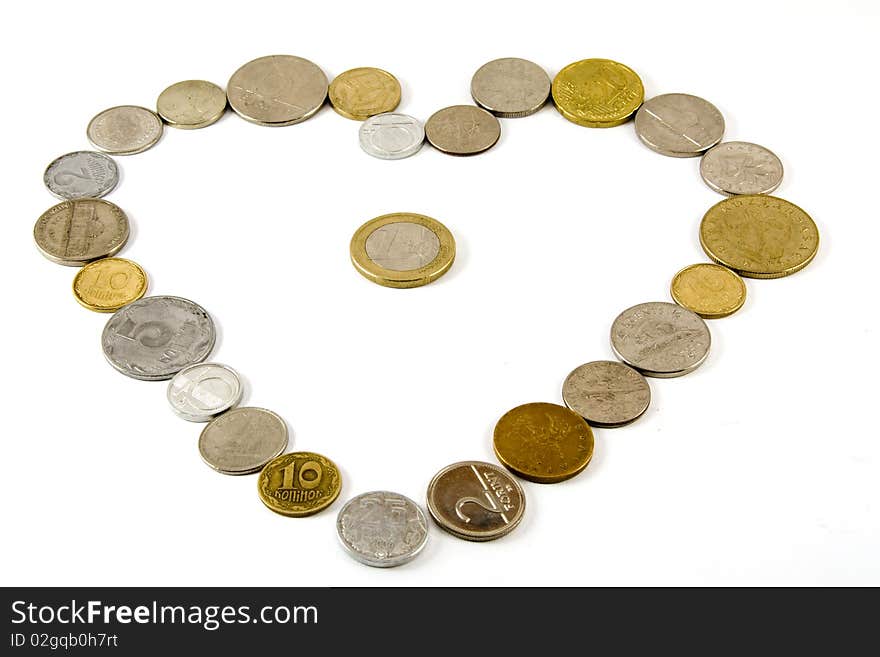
<point x="739" y="167"/>
<point x="462" y="130"/>
<point x="125" y="130"/>
<point x="510" y="87"/>
<point x="202" y="391"/>
<point x="391" y="136"/>
<point x="81" y="174"/>
<point x="191" y="104"/>
<point x="660" y="339"/>
<point x="155" y="337"/>
<point x="81" y="230"/>
<point x="679" y="125"/>
<point x="382" y="529"/>
<point x="606" y="393"/>
<point x="243" y="440"/>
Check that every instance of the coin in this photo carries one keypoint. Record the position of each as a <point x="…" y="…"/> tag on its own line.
<point x="476" y="501"/>
<point x="299" y="484"/>
<point x="191" y="104"/>
<point x="243" y="440"/>
<point x="391" y="136"/>
<point x="660" y="339"/>
<point x="759" y="236"/>
<point x="510" y="87"/>
<point x="107" y="284"/>
<point x="156" y="337"/>
<point x="81" y="174"/>
<point x="124" y="130"/>
<point x="277" y="90"/>
<point x="462" y="130"/>
<point x="202" y="391"/>
<point x="364" y="92"/>
<point x="738" y="167"/>
<point x="76" y="232"/>
<point x="710" y="290"/>
<point x="597" y="93"/>
<point x="382" y="529"/>
<point x="679" y="125"/>
<point x="606" y="393"/>
<point x="545" y="443"/>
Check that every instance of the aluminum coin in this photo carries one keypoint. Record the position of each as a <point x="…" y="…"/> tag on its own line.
<point x="679" y="125"/>
<point x="191" y="104"/>
<point x="510" y="87"/>
<point x="606" y="393"/>
<point x="277" y="90"/>
<point x="108" y="284"/>
<point x="391" y="136"/>
<point x="299" y="484"/>
<point x="125" y="130"/>
<point x="202" y="391"/>
<point x="364" y="92"/>
<point x="81" y="174"/>
<point x="462" y="130"/>
<point x="243" y="440"/>
<point x="739" y="167"/>
<point x="382" y="529"/>
<point x="76" y="232"/>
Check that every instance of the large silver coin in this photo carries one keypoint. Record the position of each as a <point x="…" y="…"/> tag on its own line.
<point x="606" y="393"/>
<point x="81" y="174"/>
<point x="155" y="337"/>
<point x="679" y="125"/>
<point x="462" y="130"/>
<point x="660" y="339"/>
<point x="391" y="136"/>
<point x="124" y="130"/>
<point x="277" y="90"/>
<point x="739" y="167"/>
<point x="510" y="87"/>
<point x="382" y="529"/>
<point x="202" y="391"/>
<point x="243" y="440"/>
<point x="76" y="232"/>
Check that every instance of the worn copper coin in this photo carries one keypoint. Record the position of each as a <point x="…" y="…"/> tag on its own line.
<point x="299" y="484"/>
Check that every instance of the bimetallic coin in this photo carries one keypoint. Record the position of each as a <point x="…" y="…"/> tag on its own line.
<point x="510" y="87"/>
<point x="108" y="284"/>
<point x="660" y="339"/>
<point x="155" y="337"/>
<point x="462" y="130"/>
<point x="679" y="125"/>
<point x="76" y="232"/>
<point x="606" y="393"/>
<point x="124" y="130"/>
<point x="191" y="104"/>
<point x="544" y="443"/>
<point x="364" y="92"/>
<point x="476" y="501"/>
<point x="277" y="90"/>
<point x="710" y="290"/>
<point x="202" y="391"/>
<point x="243" y="440"/>
<point x="299" y="484"/>
<point x="391" y="136"/>
<point x="759" y="236"/>
<point x="738" y="167"/>
<point x="597" y="93"/>
<point x="382" y="529"/>
<point x="81" y="174"/>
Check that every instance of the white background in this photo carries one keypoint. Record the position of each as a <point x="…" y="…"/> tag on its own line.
<point x="763" y="467"/>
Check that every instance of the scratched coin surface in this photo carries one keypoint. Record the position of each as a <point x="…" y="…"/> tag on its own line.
<point x="679" y="125"/>
<point x="712" y="291"/>
<point x="81" y="230"/>
<point x="155" y="337"/>
<point x="124" y="130"/>
<point x="462" y="130"/>
<point x="191" y="104"/>
<point x="364" y="92"/>
<point x="277" y="90"/>
<point x="597" y="93"/>
<point x="81" y="174"/>
<point x="299" y="484"/>
<point x="202" y="391"/>
<point x="739" y="167"/>
<point x="545" y="443"/>
<point x="107" y="284"/>
<point x="606" y="393"/>
<point x="660" y="339"/>
<point x="382" y="529"/>
<point x="510" y="87"/>
<point x="391" y="136"/>
<point x="759" y="236"/>
<point x="243" y="440"/>
<point x="476" y="501"/>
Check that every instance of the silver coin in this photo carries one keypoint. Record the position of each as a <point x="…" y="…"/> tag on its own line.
<point x="125" y="130"/>
<point x="402" y="246"/>
<point x="462" y="130"/>
<point x="81" y="174"/>
<point x="739" y="167"/>
<point x="81" y="230"/>
<point x="277" y="90"/>
<point x="202" y="391"/>
<point x="155" y="337"/>
<point x="391" y="136"/>
<point x="606" y="393"/>
<point x="679" y="125"/>
<point x="243" y="440"/>
<point x="510" y="87"/>
<point x="382" y="529"/>
<point x="660" y="339"/>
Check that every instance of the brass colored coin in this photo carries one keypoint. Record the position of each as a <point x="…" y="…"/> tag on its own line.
<point x="191" y="104"/>
<point x="759" y="236"/>
<point x="710" y="290"/>
<point x="108" y="284"/>
<point x="364" y="92"/>
<point x="299" y="484"/>
<point x="545" y="443"/>
<point x="597" y="93"/>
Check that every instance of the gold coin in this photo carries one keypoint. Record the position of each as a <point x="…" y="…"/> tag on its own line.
<point x="299" y="484"/>
<point x="364" y="92"/>
<point x="710" y="290"/>
<point x="108" y="284"/>
<point x="191" y="104"/>
<point x="402" y="250"/>
<point x="543" y="442"/>
<point x="759" y="236"/>
<point x="597" y="93"/>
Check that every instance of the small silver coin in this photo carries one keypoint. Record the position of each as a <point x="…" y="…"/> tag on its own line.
<point x="78" y="231"/>
<point x="81" y="174"/>
<point x="660" y="339"/>
<point x="382" y="529"/>
<point x="679" y="125"/>
<point x="243" y="440"/>
<point x="202" y="391"/>
<point x="125" y="130"/>
<point x="739" y="167"/>
<point x="510" y="87"/>
<point x="155" y="337"/>
<point x="402" y="246"/>
<point x="462" y="130"/>
<point x="606" y="393"/>
<point x="391" y="136"/>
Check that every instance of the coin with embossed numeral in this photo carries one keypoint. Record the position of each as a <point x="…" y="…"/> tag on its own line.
<point x="364" y="92"/>
<point x="81" y="174"/>
<point x="243" y="440"/>
<point x="391" y="136"/>
<point x="299" y="484"/>
<point x="739" y="167"/>
<point x="106" y="285"/>
<point x="125" y="130"/>
<point x="202" y="391"/>
<point x="712" y="291"/>
<point x="76" y="232"/>
<point x="597" y="93"/>
<point x="382" y="529"/>
<point x="679" y="125"/>
<point x="462" y="130"/>
<point x="606" y="393"/>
